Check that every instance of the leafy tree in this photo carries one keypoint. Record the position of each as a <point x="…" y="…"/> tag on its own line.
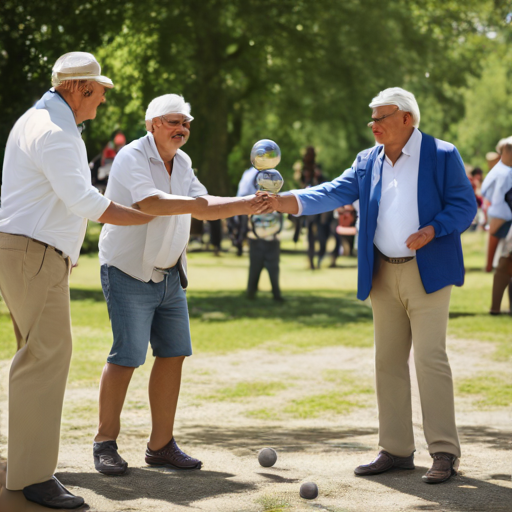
<point x="298" y="71"/>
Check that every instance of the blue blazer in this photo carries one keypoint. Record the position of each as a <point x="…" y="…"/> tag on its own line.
<point x="446" y="201"/>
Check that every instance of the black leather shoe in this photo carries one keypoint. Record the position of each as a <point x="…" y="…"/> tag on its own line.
<point x="107" y="460"/>
<point x="384" y="462"/>
<point x="52" y="494"/>
<point x="445" y="465"/>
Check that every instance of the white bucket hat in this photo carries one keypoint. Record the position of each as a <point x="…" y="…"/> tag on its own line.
<point x="78" y="66"/>
<point x="168" y="104"/>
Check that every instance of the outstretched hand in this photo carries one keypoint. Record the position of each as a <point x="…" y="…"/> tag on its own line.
<point x="270" y="200"/>
<point x="259" y="204"/>
<point x="420" y="238"/>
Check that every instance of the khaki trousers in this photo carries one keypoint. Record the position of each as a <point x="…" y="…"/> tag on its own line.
<point x="34" y="285"/>
<point x="404" y="314"/>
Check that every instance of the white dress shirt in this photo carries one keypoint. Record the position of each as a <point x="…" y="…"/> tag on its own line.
<point x="398" y="209"/>
<point x="46" y="191"/>
<point x="494" y="187"/>
<point x="247" y="185"/>
<point x="139" y="172"/>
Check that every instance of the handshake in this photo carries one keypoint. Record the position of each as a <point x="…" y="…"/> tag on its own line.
<point x="262" y="202"/>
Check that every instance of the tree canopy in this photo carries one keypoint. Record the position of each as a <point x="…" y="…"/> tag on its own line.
<point x="298" y="71"/>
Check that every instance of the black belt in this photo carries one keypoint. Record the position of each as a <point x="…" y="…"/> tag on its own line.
<point x="58" y="251"/>
<point x="394" y="261"/>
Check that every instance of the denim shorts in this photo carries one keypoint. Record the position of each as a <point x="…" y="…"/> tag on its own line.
<point x="142" y="313"/>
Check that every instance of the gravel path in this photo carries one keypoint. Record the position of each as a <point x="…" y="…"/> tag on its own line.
<point x="226" y="435"/>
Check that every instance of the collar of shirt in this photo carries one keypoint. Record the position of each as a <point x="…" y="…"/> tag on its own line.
<point x="153" y="150"/>
<point x="412" y="146"/>
<point x="60" y="111"/>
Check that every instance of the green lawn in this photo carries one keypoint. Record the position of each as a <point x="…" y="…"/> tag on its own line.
<point x="320" y="309"/>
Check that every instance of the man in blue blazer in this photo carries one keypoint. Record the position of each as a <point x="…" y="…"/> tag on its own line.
<point x="415" y="201"/>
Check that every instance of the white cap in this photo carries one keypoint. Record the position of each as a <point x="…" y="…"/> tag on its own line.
<point x="168" y="104"/>
<point x="78" y="66"/>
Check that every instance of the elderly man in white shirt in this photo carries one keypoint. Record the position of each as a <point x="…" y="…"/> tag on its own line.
<point x="46" y="198"/>
<point x="497" y="189"/>
<point x="143" y="276"/>
<point x="415" y="201"/>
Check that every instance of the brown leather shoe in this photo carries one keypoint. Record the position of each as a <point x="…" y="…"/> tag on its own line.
<point x="384" y="462"/>
<point x="445" y="465"/>
<point x="170" y="455"/>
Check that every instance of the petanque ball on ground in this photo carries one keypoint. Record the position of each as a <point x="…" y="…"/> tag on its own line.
<point x="267" y="457"/>
<point x="308" y="491"/>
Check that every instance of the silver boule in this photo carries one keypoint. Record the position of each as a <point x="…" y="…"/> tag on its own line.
<point x="309" y="490"/>
<point x="269" y="181"/>
<point x="265" y="154"/>
<point x="267" y="457"/>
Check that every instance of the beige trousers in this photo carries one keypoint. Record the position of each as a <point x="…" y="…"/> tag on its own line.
<point x="404" y="314"/>
<point x="34" y="285"/>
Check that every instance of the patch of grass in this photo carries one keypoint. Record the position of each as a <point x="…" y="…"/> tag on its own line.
<point x="273" y="503"/>
<point x="493" y="390"/>
<point x="348" y="381"/>
<point x="320" y="309"/>
<point x="82" y="409"/>
<point x="343" y="399"/>
<point x="317" y="405"/>
<point x="249" y="389"/>
<point x="264" y="414"/>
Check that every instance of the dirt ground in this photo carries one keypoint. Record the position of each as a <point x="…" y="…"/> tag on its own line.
<point x="324" y="449"/>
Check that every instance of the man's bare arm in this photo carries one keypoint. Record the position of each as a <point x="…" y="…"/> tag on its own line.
<point x="123" y="216"/>
<point x="286" y="203"/>
<point x="204" y="207"/>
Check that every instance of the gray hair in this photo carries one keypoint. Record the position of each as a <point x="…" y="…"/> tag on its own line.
<point x="504" y="143"/>
<point x="403" y="99"/>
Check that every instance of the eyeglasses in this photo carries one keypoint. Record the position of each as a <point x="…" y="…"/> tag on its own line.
<point x="379" y="119"/>
<point x="173" y="123"/>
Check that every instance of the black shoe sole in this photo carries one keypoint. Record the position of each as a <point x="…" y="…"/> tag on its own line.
<point x="172" y="466"/>
<point x="35" y="499"/>
<point x="383" y="471"/>
<point x="112" y="473"/>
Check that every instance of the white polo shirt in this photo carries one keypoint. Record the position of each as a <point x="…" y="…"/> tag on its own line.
<point x="46" y="191"/>
<point x="398" y="209"/>
<point x="494" y="187"/>
<point x="139" y="172"/>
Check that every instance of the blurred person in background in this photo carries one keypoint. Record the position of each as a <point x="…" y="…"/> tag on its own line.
<point x="239" y="224"/>
<point x="497" y="190"/>
<point x="100" y="165"/>
<point x="264" y="252"/>
<point x="345" y="232"/>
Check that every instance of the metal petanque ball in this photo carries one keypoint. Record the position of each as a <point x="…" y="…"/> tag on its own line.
<point x="267" y="457"/>
<point x="266" y="225"/>
<point x="269" y="181"/>
<point x="265" y="154"/>
<point x="309" y="490"/>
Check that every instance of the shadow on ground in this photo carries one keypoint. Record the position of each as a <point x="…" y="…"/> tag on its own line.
<point x="494" y="438"/>
<point x="178" y="487"/>
<point x="319" y="309"/>
<point x="459" y="494"/>
<point x="245" y="440"/>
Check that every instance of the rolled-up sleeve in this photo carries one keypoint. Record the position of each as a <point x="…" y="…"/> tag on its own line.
<point x="197" y="189"/>
<point x="62" y="166"/>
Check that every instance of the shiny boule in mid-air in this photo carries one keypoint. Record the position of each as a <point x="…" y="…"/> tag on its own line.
<point x="265" y="154"/>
